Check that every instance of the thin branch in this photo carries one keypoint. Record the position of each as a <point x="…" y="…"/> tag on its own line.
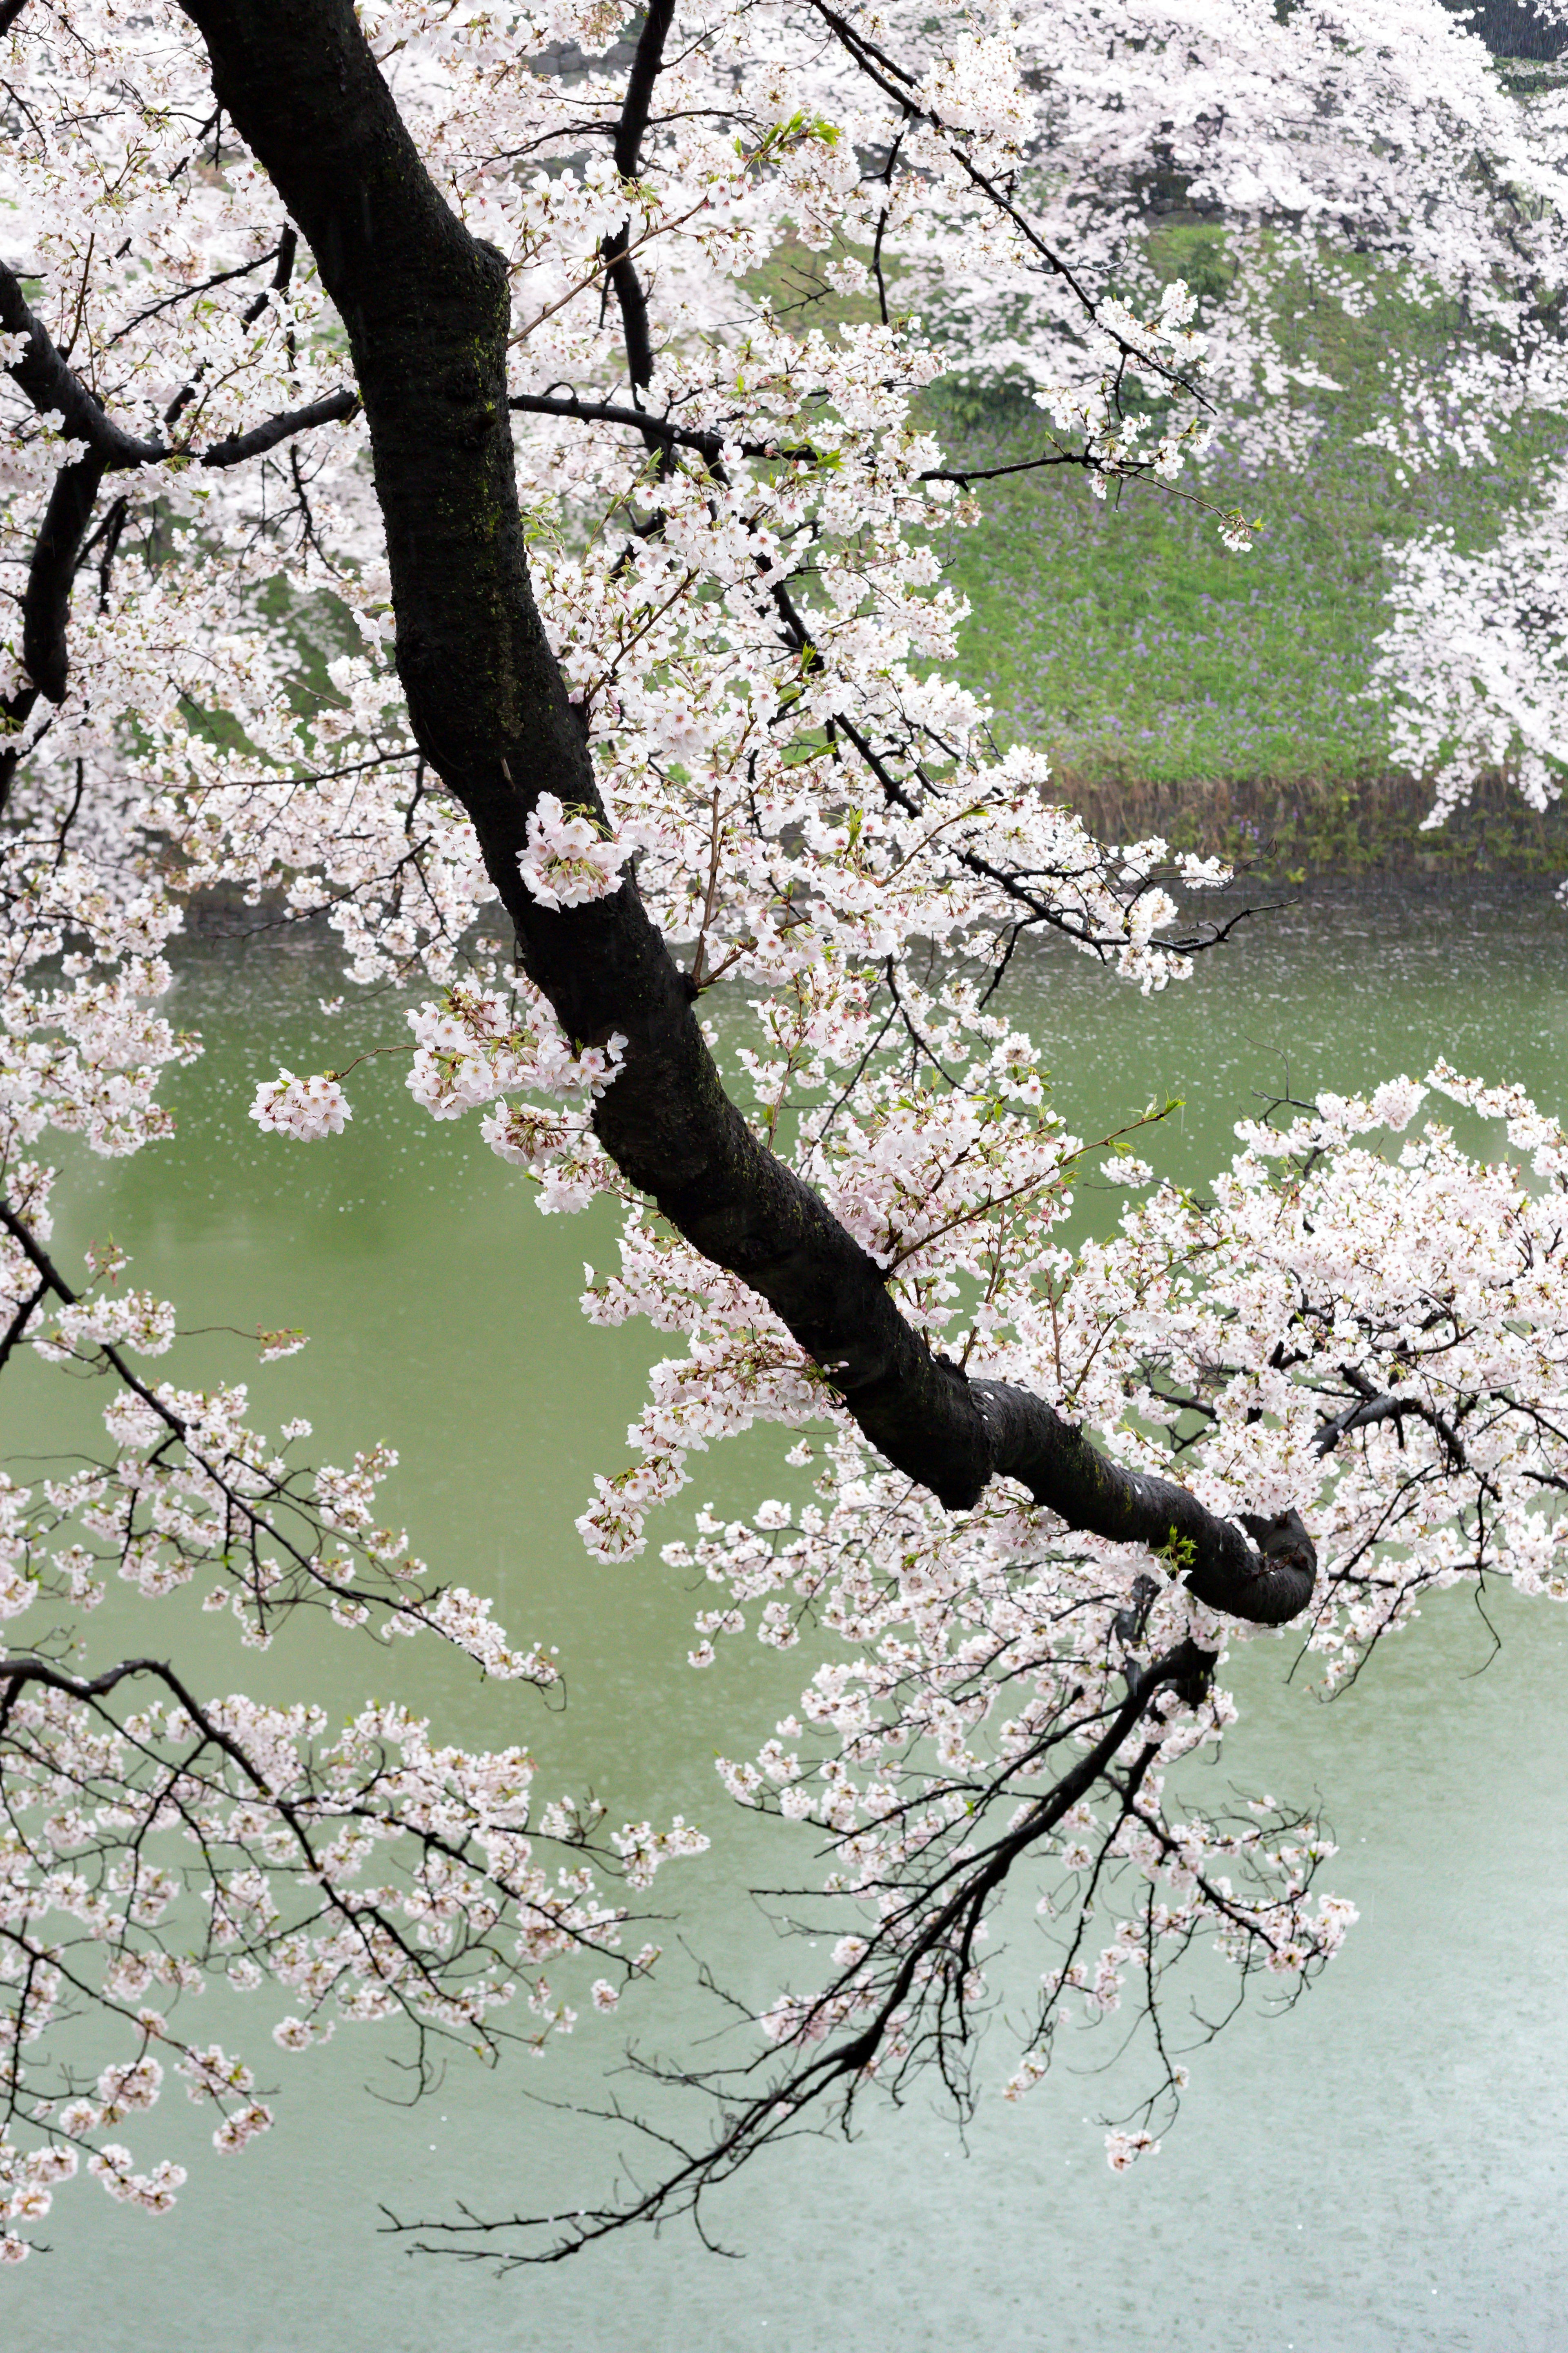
<point x="189" y="294"/>
<point x="878" y="66"/>
<point x="261" y="438"/>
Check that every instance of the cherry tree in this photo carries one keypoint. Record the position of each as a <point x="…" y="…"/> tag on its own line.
<point x="1370" y="158"/>
<point x="1470" y="666"/>
<point x="1362" y="157"/>
<point x="1473" y="659"/>
<point x="358" y="346"/>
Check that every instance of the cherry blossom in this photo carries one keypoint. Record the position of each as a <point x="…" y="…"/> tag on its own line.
<point x="305" y="1108"/>
<point x="566" y="863"/>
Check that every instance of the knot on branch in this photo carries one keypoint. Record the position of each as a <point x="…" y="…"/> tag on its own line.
<point x="1287" y="1559"/>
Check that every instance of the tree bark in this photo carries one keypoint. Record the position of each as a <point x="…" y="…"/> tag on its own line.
<point x="427" y="310"/>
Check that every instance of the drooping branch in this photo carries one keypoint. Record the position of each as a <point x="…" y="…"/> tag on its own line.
<point x="490" y="710"/>
<point x="305" y="1813"/>
<point x="921" y="1943"/>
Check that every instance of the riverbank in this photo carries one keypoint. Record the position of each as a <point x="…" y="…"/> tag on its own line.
<point x="1361" y="827"/>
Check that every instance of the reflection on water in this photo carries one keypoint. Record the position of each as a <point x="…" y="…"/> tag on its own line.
<point x="1381" y="2170"/>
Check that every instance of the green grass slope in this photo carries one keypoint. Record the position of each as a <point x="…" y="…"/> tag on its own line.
<point x="1167" y="675"/>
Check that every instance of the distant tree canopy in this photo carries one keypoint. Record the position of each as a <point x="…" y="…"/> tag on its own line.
<point x="1513" y="28"/>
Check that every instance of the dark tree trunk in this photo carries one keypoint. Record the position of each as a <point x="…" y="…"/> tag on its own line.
<point x="425" y="308"/>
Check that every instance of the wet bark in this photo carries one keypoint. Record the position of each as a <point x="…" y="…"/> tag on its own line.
<point x="427" y="310"/>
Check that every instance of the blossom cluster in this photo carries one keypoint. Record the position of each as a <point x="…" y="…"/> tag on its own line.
<point x="364" y="1872"/>
<point x="307" y="1109"/>
<point x="1372" y="1336"/>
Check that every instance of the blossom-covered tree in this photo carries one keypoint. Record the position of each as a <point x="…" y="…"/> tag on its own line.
<point x="428" y="351"/>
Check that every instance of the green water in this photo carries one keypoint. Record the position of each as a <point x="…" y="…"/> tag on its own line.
<point x="1383" y="2168"/>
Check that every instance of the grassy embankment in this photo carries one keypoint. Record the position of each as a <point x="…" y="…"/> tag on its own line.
<point x="1223" y="699"/>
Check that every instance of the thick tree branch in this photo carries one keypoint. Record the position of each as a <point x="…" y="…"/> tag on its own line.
<point x="491" y="711"/>
<point x="45" y="601"/>
<point x="53" y="388"/>
<point x="627" y="153"/>
<point x="262" y="437"/>
<point x="662" y="430"/>
<point x="18" y="1323"/>
<point x="16" y="710"/>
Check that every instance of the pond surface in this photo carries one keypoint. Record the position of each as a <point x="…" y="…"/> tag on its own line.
<point x="1385" y="2167"/>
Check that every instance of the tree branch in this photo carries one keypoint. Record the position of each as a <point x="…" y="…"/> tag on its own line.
<point x="707" y="440"/>
<point x="611" y="412"/>
<point x="18" y="1323"/>
<point x="189" y="294"/>
<point x="878" y="66"/>
<point x="491" y="713"/>
<point x="245" y="1505"/>
<point x="262" y="437"/>
<point x="709" y="443"/>
<point x="52" y="387"/>
<point x="45" y="600"/>
<point x="1373" y="1408"/>
<point x="628" y="151"/>
<point x="917" y="1941"/>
